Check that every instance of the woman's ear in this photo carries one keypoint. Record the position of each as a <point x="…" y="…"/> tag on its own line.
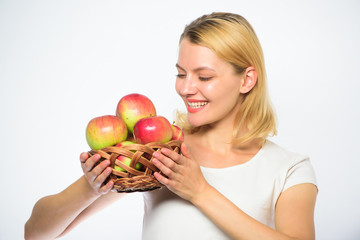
<point x="249" y="80"/>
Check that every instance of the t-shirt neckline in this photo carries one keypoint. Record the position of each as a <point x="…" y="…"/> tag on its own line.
<point x="253" y="159"/>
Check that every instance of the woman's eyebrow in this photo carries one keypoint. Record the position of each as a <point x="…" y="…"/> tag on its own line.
<point x="196" y="69"/>
<point x="178" y="66"/>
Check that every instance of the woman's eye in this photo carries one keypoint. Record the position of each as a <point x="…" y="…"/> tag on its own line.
<point x="205" y="78"/>
<point x="181" y="75"/>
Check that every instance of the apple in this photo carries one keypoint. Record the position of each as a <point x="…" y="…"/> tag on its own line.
<point x="133" y="107"/>
<point x="126" y="161"/>
<point x="124" y="143"/>
<point x="177" y="133"/>
<point x="105" y="131"/>
<point x="152" y="129"/>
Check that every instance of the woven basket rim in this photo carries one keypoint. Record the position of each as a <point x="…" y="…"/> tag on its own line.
<point x="130" y="179"/>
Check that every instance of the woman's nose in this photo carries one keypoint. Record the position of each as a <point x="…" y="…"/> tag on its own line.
<point x="189" y="86"/>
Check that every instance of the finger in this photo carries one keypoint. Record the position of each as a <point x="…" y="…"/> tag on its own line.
<point x="98" y="170"/>
<point x="84" y="156"/>
<point x="164" y="169"/>
<point x="106" y="188"/>
<point x="100" y="179"/>
<point x="184" y="150"/>
<point x="90" y="163"/>
<point x="172" y="155"/>
<point x="165" y="160"/>
<point x="161" y="179"/>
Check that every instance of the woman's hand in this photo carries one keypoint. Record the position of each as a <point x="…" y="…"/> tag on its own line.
<point x="96" y="174"/>
<point x="183" y="173"/>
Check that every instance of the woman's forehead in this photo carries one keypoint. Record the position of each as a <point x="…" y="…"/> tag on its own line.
<point x="198" y="58"/>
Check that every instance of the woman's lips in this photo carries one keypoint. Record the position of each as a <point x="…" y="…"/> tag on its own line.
<point x="194" y="106"/>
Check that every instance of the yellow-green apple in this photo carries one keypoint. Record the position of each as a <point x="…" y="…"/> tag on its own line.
<point x="152" y="129"/>
<point x="105" y="131"/>
<point x="177" y="133"/>
<point x="133" y="107"/>
<point x="126" y="161"/>
<point x="124" y="143"/>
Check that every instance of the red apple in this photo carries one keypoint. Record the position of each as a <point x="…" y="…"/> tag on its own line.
<point x="126" y="161"/>
<point x="152" y="129"/>
<point x="105" y="131"/>
<point x="177" y="133"/>
<point x="133" y="107"/>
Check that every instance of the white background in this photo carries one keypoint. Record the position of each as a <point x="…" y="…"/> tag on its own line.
<point x="65" y="62"/>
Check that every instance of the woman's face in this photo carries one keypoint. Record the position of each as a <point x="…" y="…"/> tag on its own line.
<point x="207" y="84"/>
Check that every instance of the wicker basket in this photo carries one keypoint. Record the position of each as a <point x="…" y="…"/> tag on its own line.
<point x="135" y="180"/>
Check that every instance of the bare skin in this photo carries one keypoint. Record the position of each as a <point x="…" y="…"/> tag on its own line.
<point x="203" y="78"/>
<point x="294" y="210"/>
<point x="206" y="78"/>
<point x="55" y="215"/>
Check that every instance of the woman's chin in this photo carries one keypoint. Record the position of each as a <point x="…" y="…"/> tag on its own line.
<point x="195" y="124"/>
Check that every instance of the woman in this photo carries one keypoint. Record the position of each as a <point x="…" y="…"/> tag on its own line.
<point x="230" y="182"/>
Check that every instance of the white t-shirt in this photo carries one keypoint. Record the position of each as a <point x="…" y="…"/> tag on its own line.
<point x="253" y="186"/>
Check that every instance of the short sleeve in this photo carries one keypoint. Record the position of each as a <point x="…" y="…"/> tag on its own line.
<point x="300" y="172"/>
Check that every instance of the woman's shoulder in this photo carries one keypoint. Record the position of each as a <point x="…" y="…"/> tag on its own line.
<point x="295" y="168"/>
<point x="277" y="153"/>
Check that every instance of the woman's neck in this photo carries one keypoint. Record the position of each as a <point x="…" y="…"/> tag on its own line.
<point x="212" y="147"/>
<point x="218" y="136"/>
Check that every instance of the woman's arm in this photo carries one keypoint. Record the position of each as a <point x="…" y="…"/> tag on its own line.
<point x="294" y="209"/>
<point x="54" y="215"/>
<point x="294" y="215"/>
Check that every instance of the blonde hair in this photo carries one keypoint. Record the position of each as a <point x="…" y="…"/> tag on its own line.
<point x="233" y="39"/>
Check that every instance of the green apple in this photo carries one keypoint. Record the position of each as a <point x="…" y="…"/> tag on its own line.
<point x="126" y="161"/>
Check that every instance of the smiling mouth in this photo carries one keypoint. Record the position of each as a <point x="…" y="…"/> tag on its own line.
<point x="196" y="105"/>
